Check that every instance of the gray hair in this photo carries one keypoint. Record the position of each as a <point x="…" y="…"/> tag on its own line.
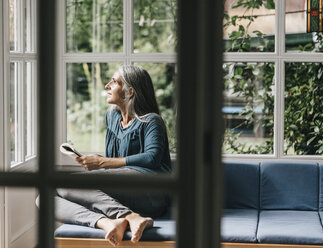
<point x="143" y="101"/>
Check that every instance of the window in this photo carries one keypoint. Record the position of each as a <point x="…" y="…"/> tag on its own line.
<point x="100" y="36"/>
<point x="188" y="184"/>
<point x="272" y="74"/>
<point x="21" y="78"/>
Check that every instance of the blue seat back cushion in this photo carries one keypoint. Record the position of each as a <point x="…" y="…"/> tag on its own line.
<point x="163" y="230"/>
<point x="241" y="185"/>
<point x="290" y="186"/>
<point x="290" y="227"/>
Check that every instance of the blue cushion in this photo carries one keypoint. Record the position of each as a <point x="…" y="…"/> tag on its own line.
<point x="163" y="230"/>
<point x="321" y="187"/>
<point x="239" y="225"/>
<point x="290" y="186"/>
<point x="241" y="185"/>
<point x="290" y="227"/>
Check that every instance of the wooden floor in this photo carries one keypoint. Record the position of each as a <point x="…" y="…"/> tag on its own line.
<point x="101" y="243"/>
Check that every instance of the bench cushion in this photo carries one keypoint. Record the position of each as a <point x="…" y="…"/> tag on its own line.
<point x="163" y="230"/>
<point x="239" y="225"/>
<point x="290" y="227"/>
<point x="241" y="185"/>
<point x="289" y="186"/>
<point x="321" y="187"/>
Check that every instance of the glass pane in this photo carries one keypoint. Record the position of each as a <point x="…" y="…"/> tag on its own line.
<point x="30" y="26"/>
<point x="297" y="39"/>
<point x="163" y="76"/>
<point x="94" y="26"/>
<point x="122" y="209"/>
<point x="13" y="112"/>
<point x="14" y="25"/>
<point x="249" y="26"/>
<point x="29" y="108"/>
<point x="86" y="104"/>
<point x="303" y="121"/>
<point x="155" y="26"/>
<point x="249" y="108"/>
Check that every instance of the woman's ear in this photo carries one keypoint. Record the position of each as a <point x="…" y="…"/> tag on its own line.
<point x="131" y="92"/>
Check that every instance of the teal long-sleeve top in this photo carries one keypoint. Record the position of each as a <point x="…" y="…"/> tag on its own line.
<point x="144" y="144"/>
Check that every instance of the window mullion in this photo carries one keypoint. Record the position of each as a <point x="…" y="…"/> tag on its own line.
<point x="128" y="30"/>
<point x="279" y="79"/>
<point x="46" y="17"/>
<point x="279" y="109"/>
<point x="280" y="28"/>
<point x="21" y="112"/>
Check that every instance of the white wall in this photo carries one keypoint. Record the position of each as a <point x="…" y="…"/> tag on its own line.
<point x="21" y="218"/>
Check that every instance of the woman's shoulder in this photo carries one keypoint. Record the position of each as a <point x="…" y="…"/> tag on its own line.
<point x="153" y="120"/>
<point x="152" y="117"/>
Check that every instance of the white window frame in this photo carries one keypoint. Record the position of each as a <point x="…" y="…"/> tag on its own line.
<point x="26" y="163"/>
<point x="279" y="57"/>
<point x="126" y="57"/>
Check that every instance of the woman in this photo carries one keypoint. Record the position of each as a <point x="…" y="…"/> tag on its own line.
<point x="136" y="143"/>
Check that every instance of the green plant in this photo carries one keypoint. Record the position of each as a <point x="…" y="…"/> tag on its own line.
<point x="303" y="116"/>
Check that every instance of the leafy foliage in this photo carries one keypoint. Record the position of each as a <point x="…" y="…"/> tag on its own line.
<point x="303" y="116"/>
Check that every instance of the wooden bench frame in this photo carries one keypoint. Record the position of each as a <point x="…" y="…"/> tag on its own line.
<point x="101" y="243"/>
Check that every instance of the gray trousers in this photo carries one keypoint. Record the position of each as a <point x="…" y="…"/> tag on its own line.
<point x="86" y="207"/>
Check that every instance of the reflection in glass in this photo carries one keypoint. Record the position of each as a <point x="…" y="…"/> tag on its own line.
<point x="249" y="27"/>
<point x="13" y="112"/>
<point x="86" y="104"/>
<point x="163" y="76"/>
<point x="13" y="25"/>
<point x="29" y="108"/>
<point x="297" y="39"/>
<point x="94" y="25"/>
<point x="303" y="121"/>
<point x="248" y="108"/>
<point x="155" y="26"/>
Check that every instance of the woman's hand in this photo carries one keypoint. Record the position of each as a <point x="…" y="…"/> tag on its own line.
<point x="90" y="162"/>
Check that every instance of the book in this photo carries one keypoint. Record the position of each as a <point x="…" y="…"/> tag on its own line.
<point x="69" y="150"/>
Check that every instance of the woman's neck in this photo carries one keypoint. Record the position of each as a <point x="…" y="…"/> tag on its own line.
<point x="126" y="119"/>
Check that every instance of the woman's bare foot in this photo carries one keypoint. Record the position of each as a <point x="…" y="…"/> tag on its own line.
<point x="137" y="225"/>
<point x="115" y="229"/>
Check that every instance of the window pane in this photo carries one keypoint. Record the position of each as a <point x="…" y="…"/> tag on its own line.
<point x="29" y="108"/>
<point x="249" y="26"/>
<point x="30" y="26"/>
<point x="13" y="88"/>
<point x="163" y="76"/>
<point x="94" y="26"/>
<point x="86" y="104"/>
<point x="155" y="26"/>
<point x="72" y="207"/>
<point x="14" y="25"/>
<point x="249" y="108"/>
<point x="303" y="121"/>
<point x="297" y="39"/>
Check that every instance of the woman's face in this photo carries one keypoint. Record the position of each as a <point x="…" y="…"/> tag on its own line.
<point x="115" y="94"/>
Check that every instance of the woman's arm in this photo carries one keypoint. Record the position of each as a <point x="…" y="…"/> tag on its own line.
<point x="95" y="162"/>
<point x="155" y="137"/>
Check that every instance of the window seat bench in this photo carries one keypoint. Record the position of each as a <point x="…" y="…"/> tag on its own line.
<point x="273" y="204"/>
